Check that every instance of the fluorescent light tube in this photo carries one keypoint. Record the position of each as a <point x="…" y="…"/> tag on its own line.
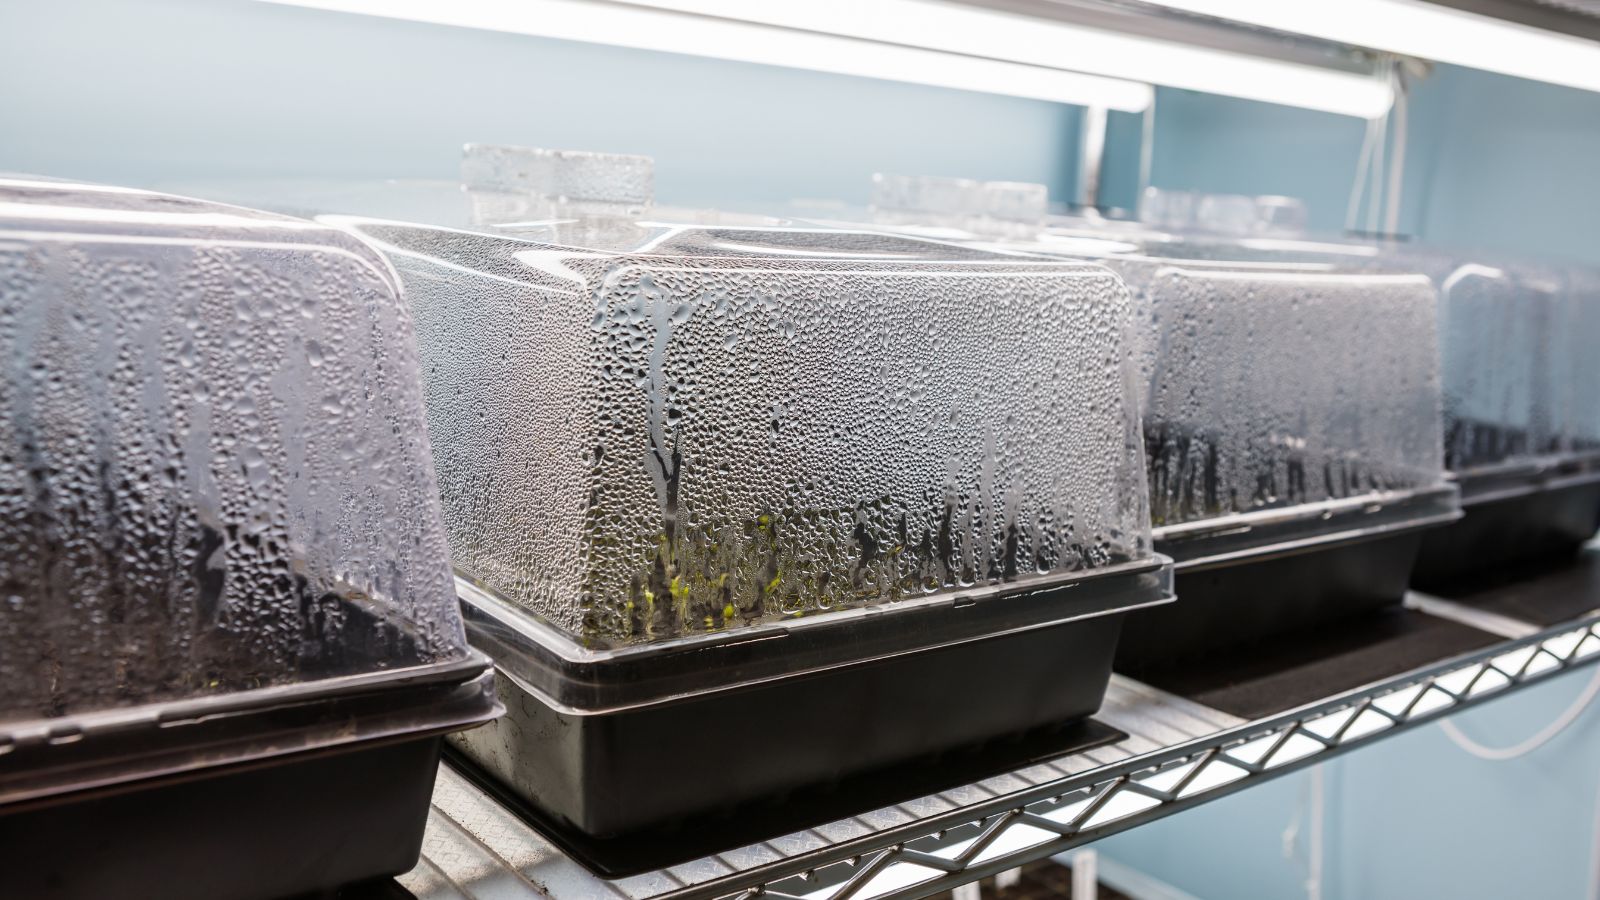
<point x="1423" y="30"/>
<point x="966" y="29"/>
<point x="920" y="41"/>
<point x="667" y="30"/>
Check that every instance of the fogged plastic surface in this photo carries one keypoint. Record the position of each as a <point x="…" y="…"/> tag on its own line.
<point x="1268" y="383"/>
<point x="563" y="176"/>
<point x="1271" y="381"/>
<point x="1519" y="362"/>
<point x="1574" y="327"/>
<point x="723" y="426"/>
<point x="1232" y="214"/>
<point x="990" y="207"/>
<point x="214" y="471"/>
<point x="1489" y="349"/>
<point x="1515" y="341"/>
<point x="1271" y="389"/>
<point x="1516" y="344"/>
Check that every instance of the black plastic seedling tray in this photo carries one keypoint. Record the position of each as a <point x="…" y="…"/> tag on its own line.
<point x="773" y="817"/>
<point x="1545" y="523"/>
<point x="267" y="793"/>
<point x="308" y="824"/>
<point x="1246" y="603"/>
<point x="1252" y="580"/>
<point x="610" y="744"/>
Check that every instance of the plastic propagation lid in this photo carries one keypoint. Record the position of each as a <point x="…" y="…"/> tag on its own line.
<point x="1514" y="339"/>
<point x="964" y="209"/>
<point x="1512" y="333"/>
<point x="1572" y="412"/>
<point x="213" y="463"/>
<point x="1285" y="404"/>
<point x="990" y="207"/>
<point x="647" y="427"/>
<point x="1517" y="345"/>
<point x="1222" y="214"/>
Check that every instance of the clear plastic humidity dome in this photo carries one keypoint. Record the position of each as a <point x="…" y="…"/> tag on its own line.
<point x="217" y="516"/>
<point x="1522" y="427"/>
<point x="665" y="435"/>
<point x="676" y="437"/>
<point x="1275" y="388"/>
<point x="1294" y="441"/>
<point x="218" y="474"/>
<point x="1292" y="426"/>
<point x="1519" y="426"/>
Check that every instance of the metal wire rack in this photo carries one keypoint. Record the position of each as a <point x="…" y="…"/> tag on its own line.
<point x="1177" y="754"/>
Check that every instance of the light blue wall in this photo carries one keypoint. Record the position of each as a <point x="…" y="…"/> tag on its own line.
<point x="1518" y="166"/>
<point x="1417" y="817"/>
<point x="1222" y="145"/>
<point x="173" y="90"/>
<point x="155" y="90"/>
<point x="1412" y="816"/>
<point x="1496" y="163"/>
<point x="1493" y="161"/>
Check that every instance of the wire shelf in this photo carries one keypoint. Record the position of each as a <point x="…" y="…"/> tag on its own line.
<point x="1177" y="754"/>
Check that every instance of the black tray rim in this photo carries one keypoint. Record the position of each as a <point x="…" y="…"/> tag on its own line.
<point x="1262" y="534"/>
<point x="197" y="735"/>
<point x="1522" y="478"/>
<point x="559" y="672"/>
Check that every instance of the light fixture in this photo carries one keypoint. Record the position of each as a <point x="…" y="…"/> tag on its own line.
<point x="922" y="41"/>
<point x="1424" y="30"/>
<point x="648" y="28"/>
<point x="962" y="28"/>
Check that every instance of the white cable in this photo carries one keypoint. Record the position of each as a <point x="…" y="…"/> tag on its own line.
<point x="1310" y="810"/>
<point x="1314" y="854"/>
<point x="1291" y="833"/>
<point x="1538" y="739"/>
<point x="1380" y="153"/>
<point x="1352" y="210"/>
<point x="1594" y="853"/>
<point x="1391" y="225"/>
<point x="1085" y="874"/>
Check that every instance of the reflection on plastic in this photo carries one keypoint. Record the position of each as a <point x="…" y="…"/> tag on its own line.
<point x="636" y="447"/>
<point x="213" y="468"/>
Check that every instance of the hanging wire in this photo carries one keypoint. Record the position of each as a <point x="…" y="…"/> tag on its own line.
<point x="1381" y="200"/>
<point x="1536" y="740"/>
<point x="1379" y="152"/>
<point x="1594" y="854"/>
<point x="1391" y="225"/>
<point x="1310" y="811"/>
<point x="1539" y="738"/>
<point x="1352" y="210"/>
<point x="1318" y="841"/>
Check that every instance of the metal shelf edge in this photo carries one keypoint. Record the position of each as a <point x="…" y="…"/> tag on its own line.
<point x="977" y="831"/>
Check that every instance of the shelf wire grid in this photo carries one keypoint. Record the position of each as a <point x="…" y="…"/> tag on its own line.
<point x="1177" y="754"/>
